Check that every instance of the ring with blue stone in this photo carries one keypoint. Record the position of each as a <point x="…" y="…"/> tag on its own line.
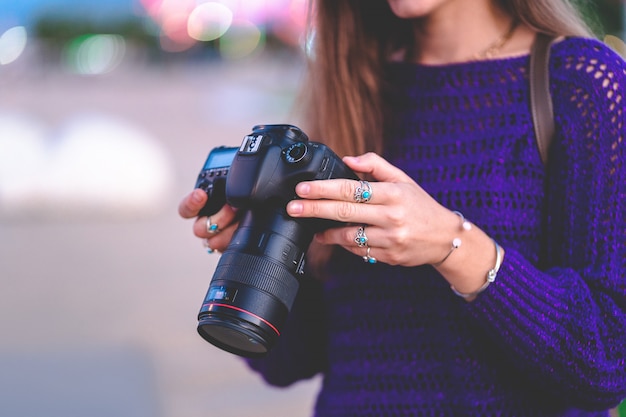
<point x="361" y="238"/>
<point x="369" y="259"/>
<point x="211" y="227"/>
<point x="363" y="192"/>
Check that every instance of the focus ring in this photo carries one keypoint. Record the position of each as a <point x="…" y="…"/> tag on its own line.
<point x="258" y="272"/>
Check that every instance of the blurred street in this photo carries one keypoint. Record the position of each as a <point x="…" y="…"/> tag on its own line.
<point x="100" y="280"/>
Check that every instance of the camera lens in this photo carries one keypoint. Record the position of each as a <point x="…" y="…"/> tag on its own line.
<point x="233" y="336"/>
<point x="239" y="323"/>
<point x="255" y="283"/>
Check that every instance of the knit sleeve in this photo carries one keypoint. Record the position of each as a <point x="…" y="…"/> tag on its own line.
<point x="564" y="323"/>
<point x="299" y="352"/>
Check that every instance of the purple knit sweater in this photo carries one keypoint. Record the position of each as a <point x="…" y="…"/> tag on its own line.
<point x="548" y="338"/>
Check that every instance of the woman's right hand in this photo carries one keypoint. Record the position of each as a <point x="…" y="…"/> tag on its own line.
<point x="225" y="219"/>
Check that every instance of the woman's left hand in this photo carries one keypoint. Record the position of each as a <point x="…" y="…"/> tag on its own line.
<point x="403" y="224"/>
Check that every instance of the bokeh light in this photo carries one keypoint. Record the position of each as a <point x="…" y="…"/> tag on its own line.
<point x="293" y="23"/>
<point x="128" y="170"/>
<point x="209" y="21"/>
<point x="241" y="26"/>
<point x="241" y="40"/>
<point x="12" y="44"/>
<point x="175" y="36"/>
<point x="95" y="54"/>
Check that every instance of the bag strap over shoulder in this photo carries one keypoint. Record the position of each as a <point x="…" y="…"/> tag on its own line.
<point x="540" y="99"/>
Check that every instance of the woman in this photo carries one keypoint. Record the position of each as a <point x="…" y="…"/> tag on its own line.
<point x="492" y="285"/>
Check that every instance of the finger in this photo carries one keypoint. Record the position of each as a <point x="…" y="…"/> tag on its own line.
<point x="342" y="211"/>
<point x="367" y="253"/>
<point x="353" y="237"/>
<point x="206" y="227"/>
<point x="220" y="241"/>
<point x="377" y="167"/>
<point x="192" y="203"/>
<point x="336" y="200"/>
<point x="335" y="189"/>
<point x="347" y="190"/>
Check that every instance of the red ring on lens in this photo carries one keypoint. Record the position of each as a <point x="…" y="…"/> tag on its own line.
<point x="241" y="310"/>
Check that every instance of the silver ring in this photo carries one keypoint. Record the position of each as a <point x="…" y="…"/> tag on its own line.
<point x="211" y="227"/>
<point x="369" y="259"/>
<point x="363" y="192"/>
<point x="361" y="239"/>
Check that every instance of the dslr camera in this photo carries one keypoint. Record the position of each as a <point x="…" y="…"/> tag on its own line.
<point x="257" y="277"/>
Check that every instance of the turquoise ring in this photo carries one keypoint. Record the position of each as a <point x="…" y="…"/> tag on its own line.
<point x="363" y="192"/>
<point x="369" y="259"/>
<point x="211" y="227"/>
<point x="361" y="238"/>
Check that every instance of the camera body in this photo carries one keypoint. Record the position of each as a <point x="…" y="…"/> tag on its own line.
<point x="257" y="277"/>
<point x="266" y="168"/>
<point x="212" y="178"/>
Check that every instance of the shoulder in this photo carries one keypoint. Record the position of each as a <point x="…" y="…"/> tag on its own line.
<point x="585" y="59"/>
<point x="582" y="46"/>
<point x="587" y="70"/>
<point x="588" y="87"/>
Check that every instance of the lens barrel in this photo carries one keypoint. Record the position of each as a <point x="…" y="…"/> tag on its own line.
<point x="255" y="283"/>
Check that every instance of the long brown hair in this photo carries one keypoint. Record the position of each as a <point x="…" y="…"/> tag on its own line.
<point x="352" y="39"/>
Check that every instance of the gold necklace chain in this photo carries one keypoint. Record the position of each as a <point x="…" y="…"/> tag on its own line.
<point x="493" y="49"/>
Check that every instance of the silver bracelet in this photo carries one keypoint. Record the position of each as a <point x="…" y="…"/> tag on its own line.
<point x="491" y="275"/>
<point x="456" y="242"/>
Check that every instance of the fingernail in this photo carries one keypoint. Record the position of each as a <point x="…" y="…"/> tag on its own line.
<point x="196" y="196"/>
<point x="303" y="189"/>
<point x="294" y="208"/>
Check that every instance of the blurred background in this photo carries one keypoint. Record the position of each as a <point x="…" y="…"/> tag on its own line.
<point x="107" y="112"/>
